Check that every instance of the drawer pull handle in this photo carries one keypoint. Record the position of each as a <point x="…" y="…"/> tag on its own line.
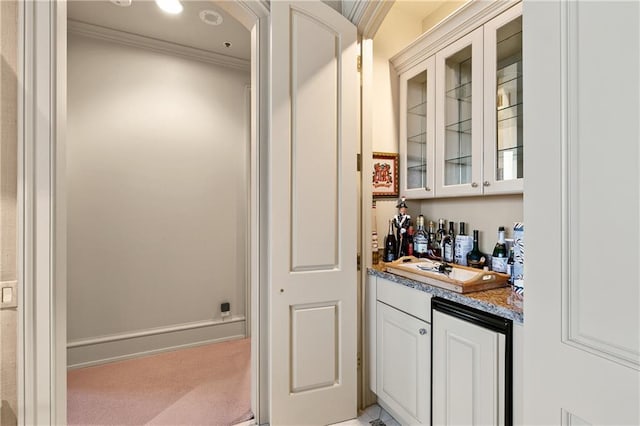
<point x="422" y="331"/>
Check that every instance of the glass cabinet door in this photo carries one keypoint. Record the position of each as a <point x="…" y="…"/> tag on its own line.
<point x="459" y="126"/>
<point x="504" y="147"/>
<point x="417" y="98"/>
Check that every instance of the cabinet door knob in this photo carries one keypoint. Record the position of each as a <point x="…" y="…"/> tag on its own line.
<point x="427" y="189"/>
<point x="423" y="331"/>
<point x="486" y="183"/>
<point x="474" y="185"/>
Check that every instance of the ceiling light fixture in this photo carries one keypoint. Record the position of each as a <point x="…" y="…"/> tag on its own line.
<point x="211" y="17"/>
<point x="170" y="6"/>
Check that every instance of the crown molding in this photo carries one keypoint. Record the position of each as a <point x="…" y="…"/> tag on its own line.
<point x="464" y="20"/>
<point x="155" y="45"/>
<point x="368" y="15"/>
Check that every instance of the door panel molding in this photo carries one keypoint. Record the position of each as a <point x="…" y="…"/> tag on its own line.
<point x="315" y="340"/>
<point x="591" y="276"/>
<point x="315" y="143"/>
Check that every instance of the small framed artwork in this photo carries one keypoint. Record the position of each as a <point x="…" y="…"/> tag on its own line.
<point x="385" y="174"/>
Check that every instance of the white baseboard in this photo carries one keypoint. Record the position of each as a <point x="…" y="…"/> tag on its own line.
<point x="118" y="347"/>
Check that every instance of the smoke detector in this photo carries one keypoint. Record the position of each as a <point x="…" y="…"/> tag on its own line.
<point x="211" y="17"/>
<point x="122" y="3"/>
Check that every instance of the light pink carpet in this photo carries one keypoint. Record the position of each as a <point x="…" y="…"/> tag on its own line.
<point x="206" y="385"/>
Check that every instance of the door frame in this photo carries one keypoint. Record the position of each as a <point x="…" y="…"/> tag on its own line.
<point x="42" y="340"/>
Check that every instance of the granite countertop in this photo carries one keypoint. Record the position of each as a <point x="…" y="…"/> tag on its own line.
<point x="495" y="301"/>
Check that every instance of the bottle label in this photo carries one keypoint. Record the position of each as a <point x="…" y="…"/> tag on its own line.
<point x="419" y="247"/>
<point x="448" y="252"/>
<point x="499" y="264"/>
<point x="464" y="244"/>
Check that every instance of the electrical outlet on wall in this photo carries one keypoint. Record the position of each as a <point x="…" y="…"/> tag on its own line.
<point x="225" y="309"/>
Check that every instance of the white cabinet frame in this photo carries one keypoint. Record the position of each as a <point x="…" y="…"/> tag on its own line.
<point x="473" y="39"/>
<point x="490" y="184"/>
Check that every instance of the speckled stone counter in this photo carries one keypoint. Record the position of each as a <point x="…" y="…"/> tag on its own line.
<point x="493" y="301"/>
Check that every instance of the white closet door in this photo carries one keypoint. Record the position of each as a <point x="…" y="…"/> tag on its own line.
<point x="312" y="215"/>
<point x="582" y="297"/>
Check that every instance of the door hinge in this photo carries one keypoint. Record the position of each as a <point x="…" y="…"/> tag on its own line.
<point x="358" y="162"/>
<point x="359" y="63"/>
<point x="359" y="261"/>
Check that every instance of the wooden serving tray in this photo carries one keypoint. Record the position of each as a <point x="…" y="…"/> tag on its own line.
<point x="462" y="279"/>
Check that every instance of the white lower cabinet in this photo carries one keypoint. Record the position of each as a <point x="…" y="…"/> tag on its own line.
<point x="403" y="358"/>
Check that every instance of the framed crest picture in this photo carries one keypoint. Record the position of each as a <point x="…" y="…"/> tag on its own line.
<point x="385" y="174"/>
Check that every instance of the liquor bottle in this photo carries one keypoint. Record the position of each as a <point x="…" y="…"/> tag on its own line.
<point x="448" y="245"/>
<point x="390" y="245"/>
<point x="410" y="241"/>
<point x="433" y="247"/>
<point x="420" y="239"/>
<point x="463" y="245"/>
<point x="499" y="256"/>
<point x="475" y="258"/>
<point x="510" y="265"/>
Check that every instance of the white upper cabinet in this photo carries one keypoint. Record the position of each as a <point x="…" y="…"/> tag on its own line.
<point x="461" y="105"/>
<point x="459" y="117"/>
<point x="503" y="143"/>
<point x="417" y="132"/>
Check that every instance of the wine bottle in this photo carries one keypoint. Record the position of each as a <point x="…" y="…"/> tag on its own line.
<point x="463" y="245"/>
<point x="441" y="232"/>
<point x="410" y="241"/>
<point x="448" y="245"/>
<point x="499" y="256"/>
<point x="420" y="239"/>
<point x="475" y="258"/>
<point x="390" y="245"/>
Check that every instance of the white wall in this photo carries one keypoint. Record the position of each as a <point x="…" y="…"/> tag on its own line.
<point x="398" y="30"/>
<point x="157" y="197"/>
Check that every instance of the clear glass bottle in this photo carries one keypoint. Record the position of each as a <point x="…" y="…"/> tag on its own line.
<point x="475" y="258"/>
<point x="448" y="245"/>
<point x="499" y="257"/>
<point x="420" y="239"/>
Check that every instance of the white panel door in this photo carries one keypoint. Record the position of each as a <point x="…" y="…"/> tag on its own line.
<point x="466" y="373"/>
<point x="582" y="296"/>
<point x="312" y="215"/>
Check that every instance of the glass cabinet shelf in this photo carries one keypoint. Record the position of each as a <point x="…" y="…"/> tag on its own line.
<point x="419" y="109"/>
<point x="460" y="93"/>
<point x="460" y="161"/>
<point x="419" y="167"/>
<point x="506" y="76"/>
<point x="463" y="126"/>
<point x="420" y="138"/>
<point x="510" y="112"/>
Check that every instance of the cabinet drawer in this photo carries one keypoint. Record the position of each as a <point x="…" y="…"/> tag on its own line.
<point x="407" y="299"/>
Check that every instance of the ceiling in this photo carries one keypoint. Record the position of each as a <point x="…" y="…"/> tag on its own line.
<point x="143" y="17"/>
